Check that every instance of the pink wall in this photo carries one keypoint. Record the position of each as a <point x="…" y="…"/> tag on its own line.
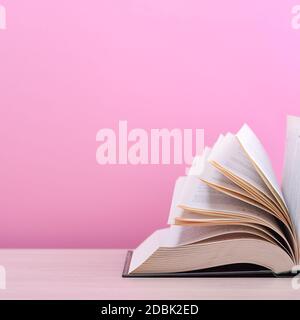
<point x="69" y="68"/>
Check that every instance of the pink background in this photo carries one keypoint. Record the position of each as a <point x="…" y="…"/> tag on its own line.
<point x="69" y="68"/>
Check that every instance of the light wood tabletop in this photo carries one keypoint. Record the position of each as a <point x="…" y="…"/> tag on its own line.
<point x="96" y="274"/>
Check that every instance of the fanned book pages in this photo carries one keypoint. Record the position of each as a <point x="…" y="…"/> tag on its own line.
<point x="229" y="215"/>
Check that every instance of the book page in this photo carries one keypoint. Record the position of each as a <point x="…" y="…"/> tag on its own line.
<point x="175" y="236"/>
<point x="195" y="170"/>
<point x="232" y="157"/>
<point x="216" y="179"/>
<point x="190" y="191"/>
<point x="198" y="163"/>
<point x="256" y="152"/>
<point x="232" y="249"/>
<point x="198" y="198"/>
<point x="207" y="172"/>
<point x="179" y="236"/>
<point x="184" y="235"/>
<point x="291" y="172"/>
<point x="175" y="211"/>
<point x="197" y="194"/>
<point x="212" y="175"/>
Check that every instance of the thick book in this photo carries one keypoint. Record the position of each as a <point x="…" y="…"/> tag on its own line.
<point x="240" y="270"/>
<point x="229" y="216"/>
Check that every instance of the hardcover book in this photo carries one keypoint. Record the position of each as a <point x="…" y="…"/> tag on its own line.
<point x="229" y="215"/>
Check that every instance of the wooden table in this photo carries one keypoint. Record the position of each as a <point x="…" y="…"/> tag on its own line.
<point x="96" y="274"/>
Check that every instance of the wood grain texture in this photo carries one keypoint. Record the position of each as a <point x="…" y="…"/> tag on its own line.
<point x="96" y="274"/>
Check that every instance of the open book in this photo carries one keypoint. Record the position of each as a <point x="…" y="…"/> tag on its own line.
<point x="229" y="212"/>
